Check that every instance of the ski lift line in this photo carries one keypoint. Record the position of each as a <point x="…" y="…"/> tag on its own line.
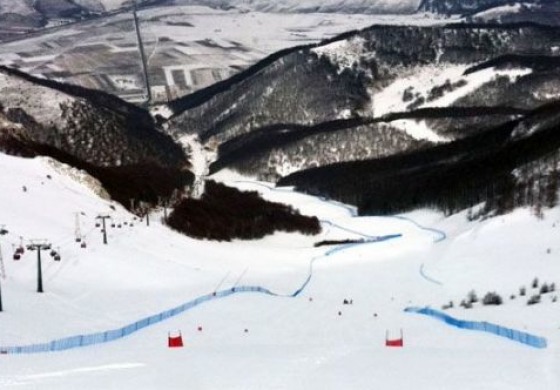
<point x="62" y="266"/>
<point x="64" y="242"/>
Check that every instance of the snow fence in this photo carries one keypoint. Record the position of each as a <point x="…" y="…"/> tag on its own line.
<point x="512" y="334"/>
<point x="115" y="334"/>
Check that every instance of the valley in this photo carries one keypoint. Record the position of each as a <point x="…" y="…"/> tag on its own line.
<point x="219" y="194"/>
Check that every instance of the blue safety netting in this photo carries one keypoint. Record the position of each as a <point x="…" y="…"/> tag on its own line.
<point x="115" y="334"/>
<point x="512" y="334"/>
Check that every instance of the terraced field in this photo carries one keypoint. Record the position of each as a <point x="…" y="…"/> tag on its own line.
<point x="187" y="47"/>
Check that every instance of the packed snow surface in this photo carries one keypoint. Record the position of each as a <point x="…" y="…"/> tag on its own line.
<point x="256" y="341"/>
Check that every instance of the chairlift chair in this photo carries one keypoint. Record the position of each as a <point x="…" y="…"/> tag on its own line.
<point x="20" y="250"/>
<point x="53" y="253"/>
<point x="83" y="245"/>
<point x="57" y="257"/>
<point x="112" y="225"/>
<point x="97" y="225"/>
<point x="78" y="239"/>
<point x="17" y="256"/>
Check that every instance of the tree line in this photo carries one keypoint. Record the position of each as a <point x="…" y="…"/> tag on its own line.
<point x="497" y="167"/>
<point x="224" y="213"/>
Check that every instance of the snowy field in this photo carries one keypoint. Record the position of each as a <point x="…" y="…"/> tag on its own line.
<point x="187" y="47"/>
<point x="257" y="341"/>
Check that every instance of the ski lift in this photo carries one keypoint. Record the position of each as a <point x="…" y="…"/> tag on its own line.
<point x="112" y="225"/>
<point x="119" y="226"/>
<point x="97" y="225"/>
<point x="57" y="257"/>
<point x="78" y="239"/>
<point x="53" y="253"/>
<point x="17" y="256"/>
<point x="20" y="250"/>
<point x="83" y="245"/>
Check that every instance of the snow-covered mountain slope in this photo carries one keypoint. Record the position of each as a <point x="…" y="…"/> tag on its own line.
<point x="370" y="94"/>
<point x="502" y="11"/>
<point x="93" y="126"/>
<point x="469" y="6"/>
<point x="319" y="341"/>
<point x="505" y="167"/>
<point x="544" y="12"/>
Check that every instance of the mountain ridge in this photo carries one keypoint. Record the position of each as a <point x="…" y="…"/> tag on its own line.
<point x="95" y="126"/>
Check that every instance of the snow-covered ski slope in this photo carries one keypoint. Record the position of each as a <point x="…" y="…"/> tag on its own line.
<point x="291" y="342"/>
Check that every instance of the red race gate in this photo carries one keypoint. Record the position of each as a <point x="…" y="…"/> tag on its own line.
<point x="399" y="343"/>
<point x="175" y="341"/>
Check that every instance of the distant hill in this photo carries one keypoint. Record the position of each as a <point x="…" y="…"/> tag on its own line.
<point x="371" y="94"/>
